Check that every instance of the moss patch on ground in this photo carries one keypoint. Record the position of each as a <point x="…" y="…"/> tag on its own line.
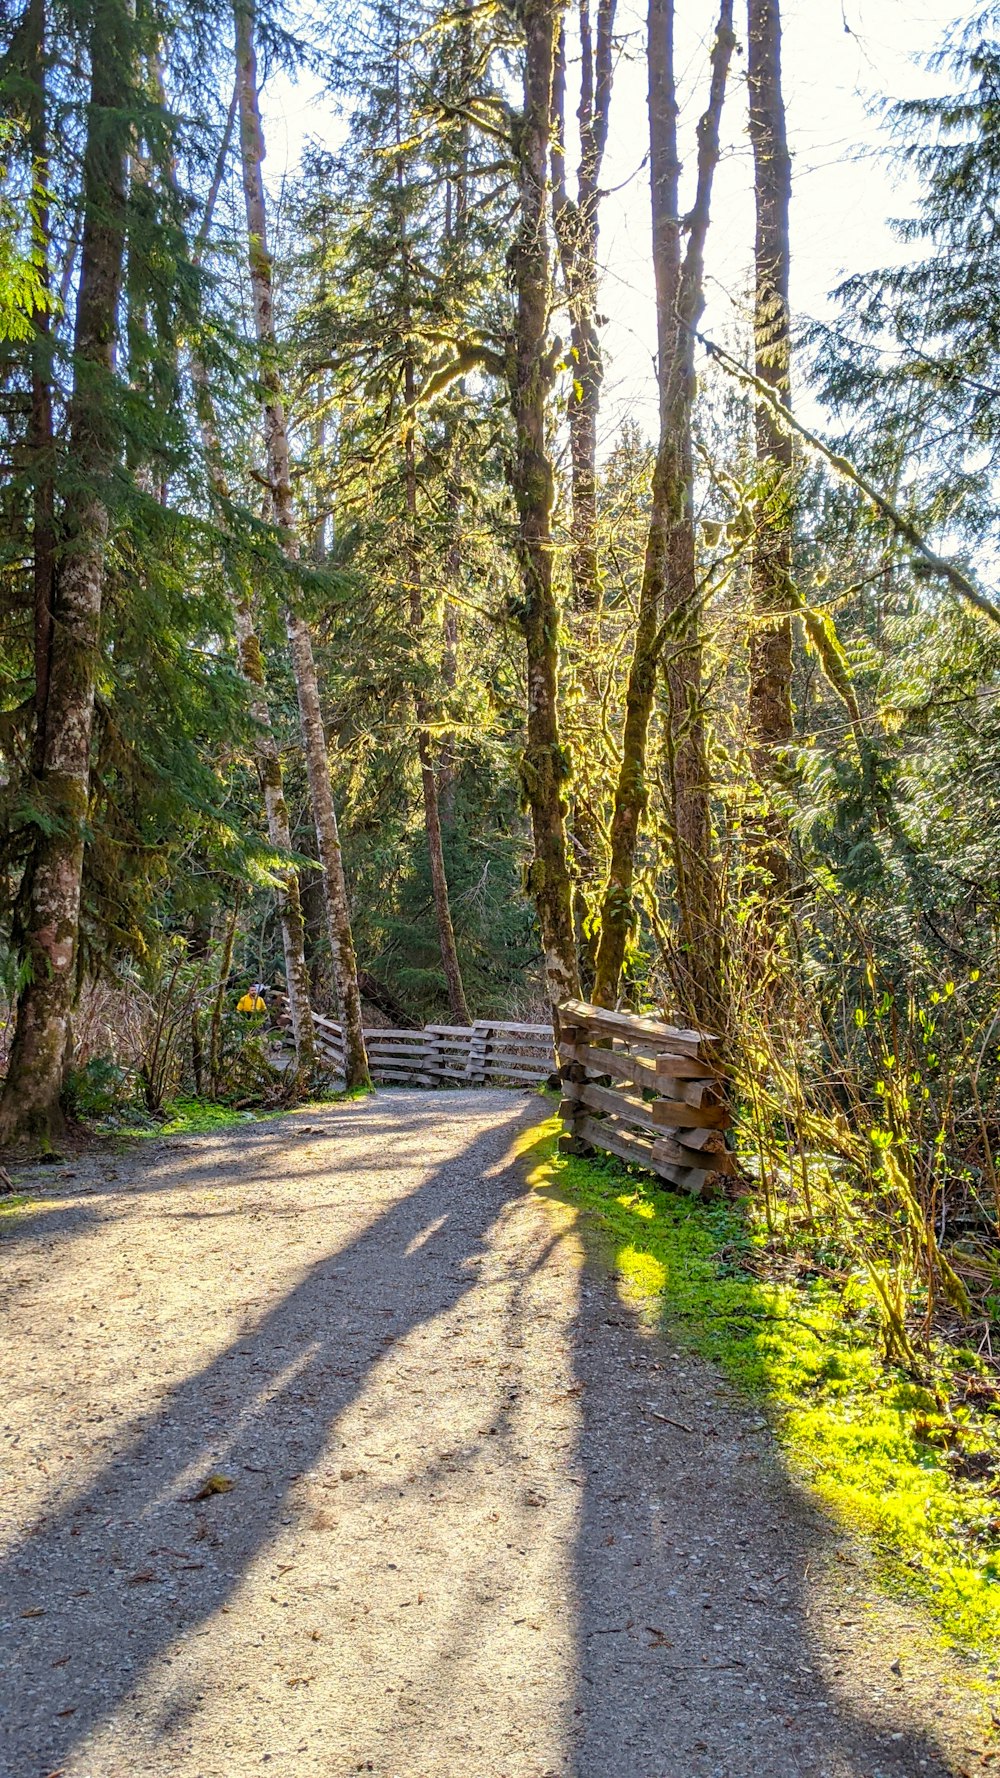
<point x="890" y="1455"/>
<point x="188" y="1116"/>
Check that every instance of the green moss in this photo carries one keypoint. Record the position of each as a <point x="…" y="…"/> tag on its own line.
<point x="190" y="1116"/>
<point x="9" y="1206"/>
<point x="884" y="1453"/>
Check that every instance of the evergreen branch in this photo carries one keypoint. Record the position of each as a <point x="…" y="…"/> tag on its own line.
<point x="904" y="527"/>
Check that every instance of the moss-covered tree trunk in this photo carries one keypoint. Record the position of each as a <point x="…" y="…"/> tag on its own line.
<point x="314" y="742"/>
<point x="668" y="627"/>
<point x="544" y="765"/>
<point x="770" y="690"/>
<point x="576" y="224"/>
<point x="50" y="898"/>
<point x="41" y="437"/>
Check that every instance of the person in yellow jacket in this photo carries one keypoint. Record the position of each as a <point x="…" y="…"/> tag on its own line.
<point x="252" y="1001"/>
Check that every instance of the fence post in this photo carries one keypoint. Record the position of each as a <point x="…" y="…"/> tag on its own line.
<point x="569" y="1037"/>
<point x="476" y="1065"/>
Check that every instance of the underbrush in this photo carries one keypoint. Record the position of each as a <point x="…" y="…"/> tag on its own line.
<point x="909" y="1456"/>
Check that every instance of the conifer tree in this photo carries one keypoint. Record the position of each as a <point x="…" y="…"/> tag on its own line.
<point x="50" y="895"/>
<point x="576" y="225"/>
<point x="770" y="653"/>
<point x="669" y="619"/>
<point x="531" y="361"/>
<point x="300" y="642"/>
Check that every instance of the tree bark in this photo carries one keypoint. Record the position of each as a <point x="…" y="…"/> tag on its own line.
<point x="544" y="767"/>
<point x="770" y="690"/>
<point x="251" y="661"/>
<point x="669" y="617"/>
<point x="30" y="1109"/>
<point x="576" y="225"/>
<point x="457" y="1005"/>
<point x="300" y="642"/>
<point x="41" y="441"/>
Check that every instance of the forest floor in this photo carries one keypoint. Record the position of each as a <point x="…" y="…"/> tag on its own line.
<point x="331" y="1446"/>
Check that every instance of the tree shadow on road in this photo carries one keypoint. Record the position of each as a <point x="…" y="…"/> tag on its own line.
<point x="704" y="1651"/>
<point x="689" y="1560"/>
<point x="103" y="1585"/>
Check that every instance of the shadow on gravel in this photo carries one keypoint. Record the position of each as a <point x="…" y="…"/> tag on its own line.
<point x="148" y="1564"/>
<point x="697" y="1656"/>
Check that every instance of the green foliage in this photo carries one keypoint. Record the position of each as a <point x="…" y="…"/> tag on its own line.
<point x="97" y="1088"/>
<point x="23" y="293"/>
<point x="895" y="1460"/>
<point x="189" y="1116"/>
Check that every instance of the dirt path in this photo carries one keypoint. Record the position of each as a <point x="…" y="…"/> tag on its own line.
<point x="483" y="1521"/>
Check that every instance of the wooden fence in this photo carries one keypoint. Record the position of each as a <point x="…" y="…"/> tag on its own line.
<point x="648" y="1092"/>
<point x="448" y="1055"/>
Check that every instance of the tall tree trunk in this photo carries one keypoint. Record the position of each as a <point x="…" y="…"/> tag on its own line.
<point x="300" y="642"/>
<point x="457" y="244"/>
<point x="770" y="691"/>
<point x="422" y="707"/>
<point x="447" y="751"/>
<point x="576" y="224"/>
<point x="669" y="618"/>
<point x="30" y="1109"/>
<point x="249" y="653"/>
<point x="41" y="442"/>
<point x="248" y="647"/>
<point x="544" y="766"/>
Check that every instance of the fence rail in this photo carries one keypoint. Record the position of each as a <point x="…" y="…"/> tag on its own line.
<point x="648" y="1092"/>
<point x="447" y="1055"/>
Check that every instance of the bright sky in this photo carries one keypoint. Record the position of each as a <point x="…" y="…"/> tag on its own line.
<point x="840" y="58"/>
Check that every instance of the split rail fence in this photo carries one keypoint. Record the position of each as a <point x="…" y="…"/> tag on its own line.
<point x="651" y="1093"/>
<point x="648" y="1092"/>
<point x="448" y="1055"/>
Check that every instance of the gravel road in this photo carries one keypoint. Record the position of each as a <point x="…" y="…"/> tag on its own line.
<point x="475" y="1517"/>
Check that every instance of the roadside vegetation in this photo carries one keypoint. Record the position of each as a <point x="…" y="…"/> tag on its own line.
<point x="907" y="1455"/>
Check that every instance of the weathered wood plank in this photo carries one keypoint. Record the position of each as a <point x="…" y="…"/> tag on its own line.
<point x="685" y="1068"/>
<point x="602" y="1133"/>
<point x="634" y="1026"/>
<point x="631" y="1111"/>
<point x="701" y="1093"/>
<point x="706" y="1139"/>
<point x="615" y="1063"/>
<point x="401" y="1076"/>
<point x="670" y="1147"/>
<point x="623" y="1143"/>
<point x="514" y="1029"/>
<point x="674" y="1114"/>
<point x="690" y="1179"/>
<point x="531" y="1076"/>
<point x="418" y="1050"/>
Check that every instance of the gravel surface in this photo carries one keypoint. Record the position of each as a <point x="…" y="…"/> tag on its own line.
<point x="475" y="1517"/>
